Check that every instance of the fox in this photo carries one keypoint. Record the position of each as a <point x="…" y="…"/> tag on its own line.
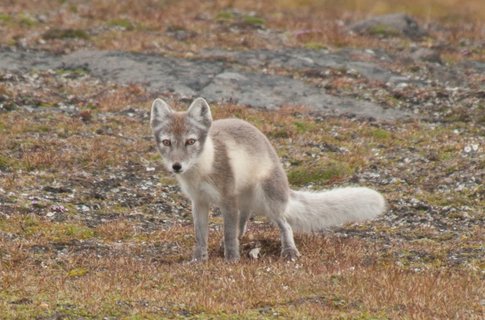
<point x="230" y="164"/>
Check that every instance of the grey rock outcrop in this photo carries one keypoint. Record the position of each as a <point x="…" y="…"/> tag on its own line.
<point x="216" y="80"/>
<point x="397" y="24"/>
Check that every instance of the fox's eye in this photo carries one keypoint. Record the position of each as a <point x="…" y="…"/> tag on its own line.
<point x="189" y="142"/>
<point x="166" y="143"/>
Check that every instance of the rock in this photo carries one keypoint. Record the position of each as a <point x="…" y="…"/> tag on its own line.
<point x="314" y="63"/>
<point x="425" y="54"/>
<point x="214" y="80"/>
<point x="254" y="253"/>
<point x="180" y="33"/>
<point x="57" y="189"/>
<point x="398" y="24"/>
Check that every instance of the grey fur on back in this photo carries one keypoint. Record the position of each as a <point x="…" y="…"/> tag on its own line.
<point x="305" y="211"/>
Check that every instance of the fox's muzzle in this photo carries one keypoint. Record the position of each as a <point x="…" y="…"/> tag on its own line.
<point x="177" y="167"/>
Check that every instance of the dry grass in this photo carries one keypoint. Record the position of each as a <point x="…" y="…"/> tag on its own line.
<point x="343" y="279"/>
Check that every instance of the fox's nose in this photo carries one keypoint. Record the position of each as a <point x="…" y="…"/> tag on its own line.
<point x="176" y="167"/>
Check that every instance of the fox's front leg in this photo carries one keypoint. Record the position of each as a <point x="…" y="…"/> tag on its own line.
<point x="230" y="213"/>
<point x="200" y="215"/>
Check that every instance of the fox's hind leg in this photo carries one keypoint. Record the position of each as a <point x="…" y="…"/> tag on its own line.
<point x="276" y="195"/>
<point x="274" y="210"/>
<point x="288" y="247"/>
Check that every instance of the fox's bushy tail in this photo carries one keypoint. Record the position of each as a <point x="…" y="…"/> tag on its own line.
<point x="316" y="211"/>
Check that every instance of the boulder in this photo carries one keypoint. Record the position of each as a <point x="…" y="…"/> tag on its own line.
<point x="428" y="55"/>
<point x="391" y="25"/>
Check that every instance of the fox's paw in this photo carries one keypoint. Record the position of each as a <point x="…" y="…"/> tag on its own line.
<point x="290" y="254"/>
<point x="231" y="256"/>
<point x="199" y="256"/>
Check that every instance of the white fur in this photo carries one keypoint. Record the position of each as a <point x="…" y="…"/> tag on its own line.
<point x="248" y="170"/>
<point x="206" y="159"/>
<point x="191" y="181"/>
<point x="316" y="211"/>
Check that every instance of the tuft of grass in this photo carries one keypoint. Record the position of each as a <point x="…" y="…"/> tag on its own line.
<point x="26" y="21"/>
<point x="65" y="34"/>
<point x="122" y="23"/>
<point x="225" y="16"/>
<point x="77" y="272"/>
<point x="319" y="174"/>
<point x="380" y="134"/>
<point x="75" y="231"/>
<point x="279" y="133"/>
<point x="314" y="45"/>
<point x="5" y="18"/>
<point x="383" y="31"/>
<point x="5" y="162"/>
<point x="247" y="20"/>
<point x="73" y="72"/>
<point x="304" y="126"/>
<point x="22" y="20"/>
<point x="33" y="227"/>
<point x="254" y="21"/>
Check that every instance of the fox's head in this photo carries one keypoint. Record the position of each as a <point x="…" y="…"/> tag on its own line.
<point x="180" y="136"/>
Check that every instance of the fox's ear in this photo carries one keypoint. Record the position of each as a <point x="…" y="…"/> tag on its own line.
<point x="200" y="111"/>
<point x="160" y="110"/>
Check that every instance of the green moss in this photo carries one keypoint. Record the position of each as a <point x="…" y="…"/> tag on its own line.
<point x="73" y="71"/>
<point x="319" y="174"/>
<point x="254" y="21"/>
<point x="225" y="16"/>
<point x="383" y="30"/>
<point x="249" y="20"/>
<point x="26" y="21"/>
<point x="22" y="20"/>
<point x="279" y="133"/>
<point x="445" y="155"/>
<point x="77" y="232"/>
<point x="41" y="127"/>
<point x="167" y="180"/>
<point x="314" y="45"/>
<point x="66" y="34"/>
<point x="5" y="162"/>
<point x="31" y="226"/>
<point x="5" y="18"/>
<point x="303" y="127"/>
<point x="380" y="134"/>
<point x="77" y="272"/>
<point x="122" y="23"/>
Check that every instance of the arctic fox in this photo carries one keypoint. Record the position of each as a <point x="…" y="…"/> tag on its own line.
<point x="231" y="164"/>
